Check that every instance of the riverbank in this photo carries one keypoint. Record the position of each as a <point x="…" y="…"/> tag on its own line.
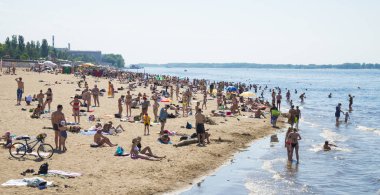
<point x="103" y="172"/>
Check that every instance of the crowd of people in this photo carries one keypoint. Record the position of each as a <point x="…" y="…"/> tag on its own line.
<point x="229" y="101"/>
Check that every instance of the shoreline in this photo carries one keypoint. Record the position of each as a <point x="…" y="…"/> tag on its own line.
<point x="141" y="177"/>
<point x="227" y="162"/>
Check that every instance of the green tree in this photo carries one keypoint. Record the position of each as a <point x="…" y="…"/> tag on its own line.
<point x="21" y="44"/>
<point x="114" y="59"/>
<point x="44" y="48"/>
<point x="24" y="56"/>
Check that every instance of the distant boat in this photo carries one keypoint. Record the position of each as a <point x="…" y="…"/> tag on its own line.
<point x="185" y="70"/>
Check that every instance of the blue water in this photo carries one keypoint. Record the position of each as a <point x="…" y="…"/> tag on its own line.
<point x="352" y="168"/>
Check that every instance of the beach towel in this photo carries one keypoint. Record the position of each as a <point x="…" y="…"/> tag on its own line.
<point x="34" y="181"/>
<point x="64" y="173"/>
<point x="91" y="132"/>
<point x="159" y="141"/>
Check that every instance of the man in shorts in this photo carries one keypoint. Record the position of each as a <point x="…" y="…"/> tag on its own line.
<point x="200" y="126"/>
<point x="20" y="90"/>
<point x="163" y="116"/>
<point x="95" y="94"/>
<point x="56" y="118"/>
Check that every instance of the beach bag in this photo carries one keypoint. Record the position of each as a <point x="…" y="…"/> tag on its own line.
<point x="275" y="113"/>
<point x="43" y="169"/>
<point x="188" y="126"/>
<point x="119" y="151"/>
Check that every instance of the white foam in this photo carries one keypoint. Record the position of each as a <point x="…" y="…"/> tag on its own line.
<point x="332" y="136"/>
<point x="268" y="166"/>
<point x="316" y="148"/>
<point x="364" y="128"/>
<point x="319" y="148"/>
<point x="257" y="187"/>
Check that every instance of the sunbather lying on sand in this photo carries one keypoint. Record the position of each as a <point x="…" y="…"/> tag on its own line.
<point x="135" y="151"/>
<point x="108" y="127"/>
<point x="147" y="151"/>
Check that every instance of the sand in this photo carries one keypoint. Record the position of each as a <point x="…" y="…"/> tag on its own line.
<point x="102" y="172"/>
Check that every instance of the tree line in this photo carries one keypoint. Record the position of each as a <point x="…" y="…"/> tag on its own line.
<point x="15" y="47"/>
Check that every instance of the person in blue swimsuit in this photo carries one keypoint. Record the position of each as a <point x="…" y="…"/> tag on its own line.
<point x="338" y="110"/>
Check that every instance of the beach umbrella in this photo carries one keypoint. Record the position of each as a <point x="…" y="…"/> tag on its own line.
<point x="247" y="94"/>
<point x="231" y="88"/>
<point x="66" y="65"/>
<point x="49" y="63"/>
<point x="87" y="65"/>
<point x="165" y="100"/>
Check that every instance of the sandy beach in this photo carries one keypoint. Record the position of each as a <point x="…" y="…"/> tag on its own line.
<point x="104" y="173"/>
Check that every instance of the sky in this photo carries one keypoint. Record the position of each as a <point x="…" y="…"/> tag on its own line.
<point x="209" y="31"/>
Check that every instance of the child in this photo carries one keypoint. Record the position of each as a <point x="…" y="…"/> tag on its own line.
<point x="37" y="112"/>
<point x="146" y="120"/>
<point x="347" y="116"/>
<point x="8" y="140"/>
<point x="63" y="136"/>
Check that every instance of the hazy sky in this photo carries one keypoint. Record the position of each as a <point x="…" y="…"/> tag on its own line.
<point x="161" y="31"/>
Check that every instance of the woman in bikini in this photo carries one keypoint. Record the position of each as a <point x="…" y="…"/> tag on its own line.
<point x="49" y="99"/>
<point x="128" y="102"/>
<point x="293" y="137"/>
<point x="135" y="151"/>
<point x="76" y="103"/>
<point x="287" y="142"/>
<point x="156" y="105"/>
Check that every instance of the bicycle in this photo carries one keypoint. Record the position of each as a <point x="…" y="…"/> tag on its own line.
<point x="44" y="151"/>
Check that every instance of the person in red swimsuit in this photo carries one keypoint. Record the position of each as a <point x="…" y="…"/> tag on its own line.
<point x="76" y="103"/>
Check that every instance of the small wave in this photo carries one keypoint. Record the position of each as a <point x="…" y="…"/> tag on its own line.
<point x="309" y="123"/>
<point x="319" y="148"/>
<point x="364" y="128"/>
<point x="268" y="166"/>
<point x="332" y="136"/>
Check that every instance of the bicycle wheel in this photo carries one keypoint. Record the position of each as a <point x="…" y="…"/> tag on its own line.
<point x="45" y="151"/>
<point x="17" y="150"/>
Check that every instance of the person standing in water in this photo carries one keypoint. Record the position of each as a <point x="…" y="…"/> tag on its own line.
<point x="346" y="117"/>
<point x="298" y="117"/>
<point x="302" y="97"/>
<point x="350" y="101"/>
<point x="338" y="110"/>
<point x="293" y="138"/>
<point x="279" y="98"/>
<point x="292" y="116"/>
<point x="288" y="95"/>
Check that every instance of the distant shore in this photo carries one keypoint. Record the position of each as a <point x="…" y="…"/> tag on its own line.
<point x="265" y="66"/>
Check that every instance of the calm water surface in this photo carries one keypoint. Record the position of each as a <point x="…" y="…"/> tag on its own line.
<point x="352" y="168"/>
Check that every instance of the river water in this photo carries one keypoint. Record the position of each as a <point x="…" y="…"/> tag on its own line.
<point x="351" y="168"/>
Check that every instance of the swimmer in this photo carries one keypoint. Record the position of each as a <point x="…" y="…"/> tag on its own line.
<point x="327" y="147"/>
<point x="330" y="95"/>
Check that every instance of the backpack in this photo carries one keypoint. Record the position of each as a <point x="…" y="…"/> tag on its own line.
<point x="188" y="125"/>
<point x="43" y="169"/>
